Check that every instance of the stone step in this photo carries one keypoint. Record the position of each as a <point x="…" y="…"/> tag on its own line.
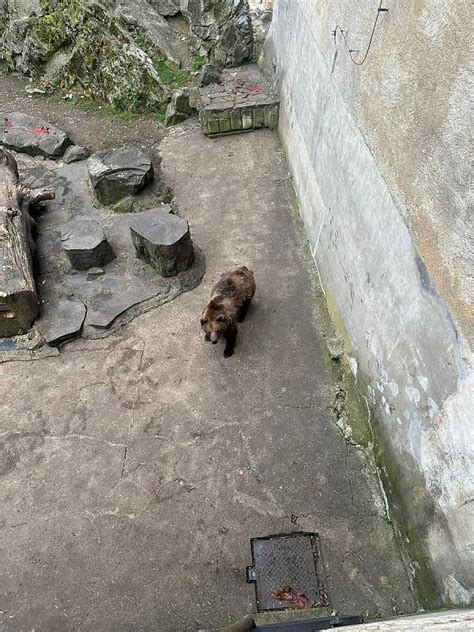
<point x="243" y="100"/>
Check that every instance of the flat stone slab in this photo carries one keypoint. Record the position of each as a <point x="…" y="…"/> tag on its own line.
<point x="61" y="320"/>
<point x="113" y="297"/>
<point x="118" y="173"/>
<point x="242" y="100"/>
<point x="162" y="240"/>
<point x="33" y="136"/>
<point x="85" y="244"/>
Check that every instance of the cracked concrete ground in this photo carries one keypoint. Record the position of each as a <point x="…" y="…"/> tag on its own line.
<point x="134" y="470"/>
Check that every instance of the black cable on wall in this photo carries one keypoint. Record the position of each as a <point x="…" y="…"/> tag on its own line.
<point x="354" y="51"/>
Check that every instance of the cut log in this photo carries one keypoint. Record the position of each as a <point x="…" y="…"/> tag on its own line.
<point x="19" y="304"/>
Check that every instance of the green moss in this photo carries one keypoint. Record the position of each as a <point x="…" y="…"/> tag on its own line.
<point x="158" y="116"/>
<point x="57" y="24"/>
<point x="104" y="110"/>
<point x="411" y="545"/>
<point x="359" y="416"/>
<point x="198" y="62"/>
<point x="170" y="74"/>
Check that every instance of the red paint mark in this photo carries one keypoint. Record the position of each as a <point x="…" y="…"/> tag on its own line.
<point x="39" y="130"/>
<point x="253" y="87"/>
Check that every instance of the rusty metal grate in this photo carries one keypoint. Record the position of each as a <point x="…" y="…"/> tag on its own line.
<point x="286" y="564"/>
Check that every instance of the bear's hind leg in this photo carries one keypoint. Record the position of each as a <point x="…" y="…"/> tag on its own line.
<point x="243" y="311"/>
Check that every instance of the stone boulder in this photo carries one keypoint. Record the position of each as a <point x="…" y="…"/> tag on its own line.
<point x="74" y="153"/>
<point x="222" y="31"/>
<point x="117" y="173"/>
<point x="166" y="7"/>
<point x="162" y="240"/>
<point x="210" y="73"/>
<point x="179" y="108"/>
<point x="33" y="136"/>
<point x="85" y="244"/>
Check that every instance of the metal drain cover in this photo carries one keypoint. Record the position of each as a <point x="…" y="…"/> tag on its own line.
<point x="284" y="567"/>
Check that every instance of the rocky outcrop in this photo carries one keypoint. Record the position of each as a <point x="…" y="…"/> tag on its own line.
<point x="179" y="108"/>
<point x="126" y="53"/>
<point x="166" y="7"/>
<point x="222" y="31"/>
<point x="59" y="41"/>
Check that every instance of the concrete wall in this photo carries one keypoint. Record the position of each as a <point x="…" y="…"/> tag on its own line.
<point x="379" y="155"/>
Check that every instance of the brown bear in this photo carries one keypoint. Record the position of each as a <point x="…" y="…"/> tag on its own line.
<point x="230" y="299"/>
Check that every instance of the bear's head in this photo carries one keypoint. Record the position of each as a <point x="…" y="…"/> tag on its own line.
<point x="213" y="322"/>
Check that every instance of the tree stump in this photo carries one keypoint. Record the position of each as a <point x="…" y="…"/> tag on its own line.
<point x="19" y="304"/>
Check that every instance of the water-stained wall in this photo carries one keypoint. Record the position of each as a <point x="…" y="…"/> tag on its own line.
<point x="375" y="124"/>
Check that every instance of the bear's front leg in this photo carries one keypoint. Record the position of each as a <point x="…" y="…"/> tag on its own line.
<point x="230" y="336"/>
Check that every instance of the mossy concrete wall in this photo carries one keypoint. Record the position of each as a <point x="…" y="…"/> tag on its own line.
<point x="379" y="156"/>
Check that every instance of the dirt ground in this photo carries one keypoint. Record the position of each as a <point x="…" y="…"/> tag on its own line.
<point x="134" y="470"/>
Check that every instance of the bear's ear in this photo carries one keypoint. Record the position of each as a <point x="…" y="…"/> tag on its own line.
<point x="220" y="318"/>
<point x="203" y="321"/>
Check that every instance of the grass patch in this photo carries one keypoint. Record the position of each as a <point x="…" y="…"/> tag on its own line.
<point x="198" y="62"/>
<point x="106" y="111"/>
<point x="170" y="74"/>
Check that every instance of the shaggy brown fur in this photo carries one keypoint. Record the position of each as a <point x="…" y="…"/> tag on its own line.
<point x="230" y="299"/>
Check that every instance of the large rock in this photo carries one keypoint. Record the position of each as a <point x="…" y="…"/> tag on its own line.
<point x="33" y="136"/>
<point x="179" y="108"/>
<point x="210" y="73"/>
<point x="85" y="244"/>
<point x="166" y="7"/>
<point x="117" y="173"/>
<point x="74" y="153"/>
<point x="162" y="240"/>
<point x="222" y="31"/>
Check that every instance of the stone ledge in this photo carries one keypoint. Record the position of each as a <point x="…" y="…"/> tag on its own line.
<point x="243" y="100"/>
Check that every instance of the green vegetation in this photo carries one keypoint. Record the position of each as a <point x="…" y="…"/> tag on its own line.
<point x="198" y="62"/>
<point x="92" y="107"/>
<point x="170" y="75"/>
<point x="114" y="82"/>
<point x="57" y="22"/>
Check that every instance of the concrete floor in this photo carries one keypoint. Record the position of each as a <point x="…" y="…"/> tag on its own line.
<point x="134" y="470"/>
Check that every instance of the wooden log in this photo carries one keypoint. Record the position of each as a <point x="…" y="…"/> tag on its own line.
<point x="19" y="303"/>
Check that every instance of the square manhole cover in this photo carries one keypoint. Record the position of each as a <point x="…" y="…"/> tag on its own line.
<point x="285" y="572"/>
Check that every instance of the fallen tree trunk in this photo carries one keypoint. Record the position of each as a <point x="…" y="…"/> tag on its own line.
<point x="19" y="304"/>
